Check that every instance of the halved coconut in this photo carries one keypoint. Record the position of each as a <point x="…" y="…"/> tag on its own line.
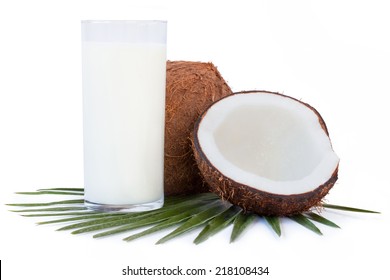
<point x="266" y="152"/>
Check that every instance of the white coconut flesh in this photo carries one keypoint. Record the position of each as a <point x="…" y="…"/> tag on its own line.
<point x="268" y="142"/>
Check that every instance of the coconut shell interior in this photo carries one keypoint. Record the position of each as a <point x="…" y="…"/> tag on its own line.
<point x="254" y="200"/>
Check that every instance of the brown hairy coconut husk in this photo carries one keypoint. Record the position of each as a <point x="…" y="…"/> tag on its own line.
<point x="191" y="87"/>
<point x="262" y="199"/>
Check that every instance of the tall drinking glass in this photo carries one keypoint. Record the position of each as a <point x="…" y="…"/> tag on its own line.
<point x="123" y="71"/>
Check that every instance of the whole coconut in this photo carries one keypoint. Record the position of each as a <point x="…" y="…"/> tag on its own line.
<point x="191" y="88"/>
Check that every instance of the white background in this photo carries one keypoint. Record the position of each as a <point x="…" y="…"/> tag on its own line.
<point x="335" y="55"/>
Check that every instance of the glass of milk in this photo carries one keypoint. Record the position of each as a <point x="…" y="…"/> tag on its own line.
<point x="123" y="77"/>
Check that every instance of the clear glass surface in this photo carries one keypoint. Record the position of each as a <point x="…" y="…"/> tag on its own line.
<point x="124" y="70"/>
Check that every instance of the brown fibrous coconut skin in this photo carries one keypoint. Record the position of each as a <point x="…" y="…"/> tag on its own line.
<point x="191" y="87"/>
<point x="254" y="200"/>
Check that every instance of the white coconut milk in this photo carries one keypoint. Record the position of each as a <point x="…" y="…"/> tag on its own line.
<point x="123" y="109"/>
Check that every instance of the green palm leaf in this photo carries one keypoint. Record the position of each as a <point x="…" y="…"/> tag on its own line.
<point x="196" y="220"/>
<point x="104" y="222"/>
<point x="53" y="209"/>
<point x="63" y="189"/>
<point x="274" y="222"/>
<point x="64" y="213"/>
<point x="175" y="220"/>
<point x="61" y="202"/>
<point x="185" y="213"/>
<point x="302" y="220"/>
<point x="131" y="218"/>
<point x="345" y="208"/>
<point x="153" y="219"/>
<point x="51" y="192"/>
<point x="241" y="222"/>
<point x="320" y="219"/>
<point x="93" y="215"/>
<point x="218" y="223"/>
